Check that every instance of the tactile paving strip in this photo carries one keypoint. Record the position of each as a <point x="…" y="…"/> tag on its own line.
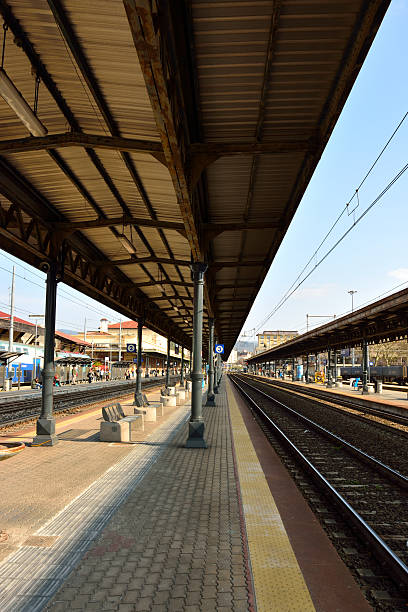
<point x="29" y="578"/>
<point x="278" y="580"/>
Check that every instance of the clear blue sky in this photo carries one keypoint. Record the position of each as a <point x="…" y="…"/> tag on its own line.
<point x="371" y="260"/>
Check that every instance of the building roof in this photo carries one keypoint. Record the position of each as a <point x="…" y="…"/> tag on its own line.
<point x="278" y="331"/>
<point x="72" y="339"/>
<point x="98" y="333"/>
<point x="125" y="325"/>
<point x="4" y="315"/>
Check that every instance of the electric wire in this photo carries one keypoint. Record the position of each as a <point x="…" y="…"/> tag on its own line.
<point x="346" y="207"/>
<point x="355" y="222"/>
<point x="81" y="304"/>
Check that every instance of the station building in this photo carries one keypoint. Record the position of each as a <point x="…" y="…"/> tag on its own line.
<point x="111" y="340"/>
<point x="269" y="339"/>
<point x="27" y="351"/>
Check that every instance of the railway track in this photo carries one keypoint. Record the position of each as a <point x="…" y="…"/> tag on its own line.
<point x="364" y="489"/>
<point x="390" y="414"/>
<point x="28" y="405"/>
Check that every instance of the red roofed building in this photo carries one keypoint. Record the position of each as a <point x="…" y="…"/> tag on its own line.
<point x="111" y="341"/>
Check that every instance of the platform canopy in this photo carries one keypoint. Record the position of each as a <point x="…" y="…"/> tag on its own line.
<point x="383" y="321"/>
<point x="167" y="132"/>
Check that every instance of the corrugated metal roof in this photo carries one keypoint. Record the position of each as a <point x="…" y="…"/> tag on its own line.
<point x="191" y="128"/>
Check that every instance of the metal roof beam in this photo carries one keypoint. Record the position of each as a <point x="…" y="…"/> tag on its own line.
<point x="133" y="145"/>
<point x="222" y="149"/>
<point x="144" y="260"/>
<point x="152" y="53"/>
<point x="163" y="282"/>
<point x="215" y="265"/>
<point x="218" y="228"/>
<point x="70" y="139"/>
<point x="123" y="220"/>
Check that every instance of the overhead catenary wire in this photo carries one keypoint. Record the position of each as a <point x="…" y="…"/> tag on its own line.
<point x="346" y="207"/>
<point x="71" y="298"/>
<point x="355" y="222"/>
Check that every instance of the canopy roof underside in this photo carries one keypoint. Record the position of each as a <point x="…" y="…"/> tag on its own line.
<point x="176" y="131"/>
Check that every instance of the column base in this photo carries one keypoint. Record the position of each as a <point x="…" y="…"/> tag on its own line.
<point x="196" y="435"/>
<point x="365" y="392"/>
<point x="210" y="400"/>
<point x="46" y="435"/>
<point x="138" y="401"/>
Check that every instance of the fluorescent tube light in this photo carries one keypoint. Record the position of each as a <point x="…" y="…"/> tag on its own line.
<point x="129" y="246"/>
<point x="15" y="100"/>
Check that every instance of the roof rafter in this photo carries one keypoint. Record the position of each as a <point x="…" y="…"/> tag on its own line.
<point x="143" y="26"/>
<point x="70" y="37"/>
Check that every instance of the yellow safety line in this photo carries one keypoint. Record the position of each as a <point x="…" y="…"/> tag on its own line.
<point x="278" y="580"/>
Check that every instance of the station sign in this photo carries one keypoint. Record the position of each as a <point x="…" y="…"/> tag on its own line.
<point x="219" y="349"/>
<point x="131" y="348"/>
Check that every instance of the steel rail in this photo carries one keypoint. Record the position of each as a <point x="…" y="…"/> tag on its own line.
<point x="382" y="550"/>
<point x="369" y="459"/>
<point x="70" y="400"/>
<point x="347" y="403"/>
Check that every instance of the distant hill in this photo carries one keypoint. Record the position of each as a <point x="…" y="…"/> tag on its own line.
<point x="70" y="332"/>
<point x="245" y="345"/>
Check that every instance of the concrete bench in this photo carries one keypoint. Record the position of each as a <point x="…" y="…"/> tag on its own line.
<point x="117" y="427"/>
<point x="148" y="412"/>
<point x="168" y="400"/>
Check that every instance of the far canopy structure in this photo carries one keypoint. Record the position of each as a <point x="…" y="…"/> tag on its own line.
<point x="74" y="361"/>
<point x="383" y="321"/>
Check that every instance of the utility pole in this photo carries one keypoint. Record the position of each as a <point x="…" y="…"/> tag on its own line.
<point x="352" y="292"/>
<point x="120" y="340"/>
<point x="85" y="330"/>
<point x="11" y="329"/>
<point x="36" y="317"/>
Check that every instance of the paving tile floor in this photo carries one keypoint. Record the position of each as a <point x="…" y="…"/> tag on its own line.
<point x="175" y="543"/>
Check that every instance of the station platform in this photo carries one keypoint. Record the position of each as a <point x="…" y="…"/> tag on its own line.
<point x="388" y="398"/>
<point x="154" y="526"/>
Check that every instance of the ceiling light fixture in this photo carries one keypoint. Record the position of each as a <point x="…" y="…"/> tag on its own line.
<point x="128" y="244"/>
<point x="11" y="95"/>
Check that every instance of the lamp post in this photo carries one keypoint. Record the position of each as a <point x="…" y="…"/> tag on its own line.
<point x="352" y="292"/>
<point x="36" y="317"/>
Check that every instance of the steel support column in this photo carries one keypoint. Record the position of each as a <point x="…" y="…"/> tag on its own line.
<point x="365" y="366"/>
<point x="46" y="423"/>
<point x="307" y="369"/>
<point x="168" y="364"/>
<point x="335" y="368"/>
<point x="210" y="392"/>
<point x="182" y="368"/>
<point x="293" y="370"/>
<point x="329" y="374"/>
<point x="215" y="372"/>
<point x="138" y="391"/>
<point x="196" y="424"/>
